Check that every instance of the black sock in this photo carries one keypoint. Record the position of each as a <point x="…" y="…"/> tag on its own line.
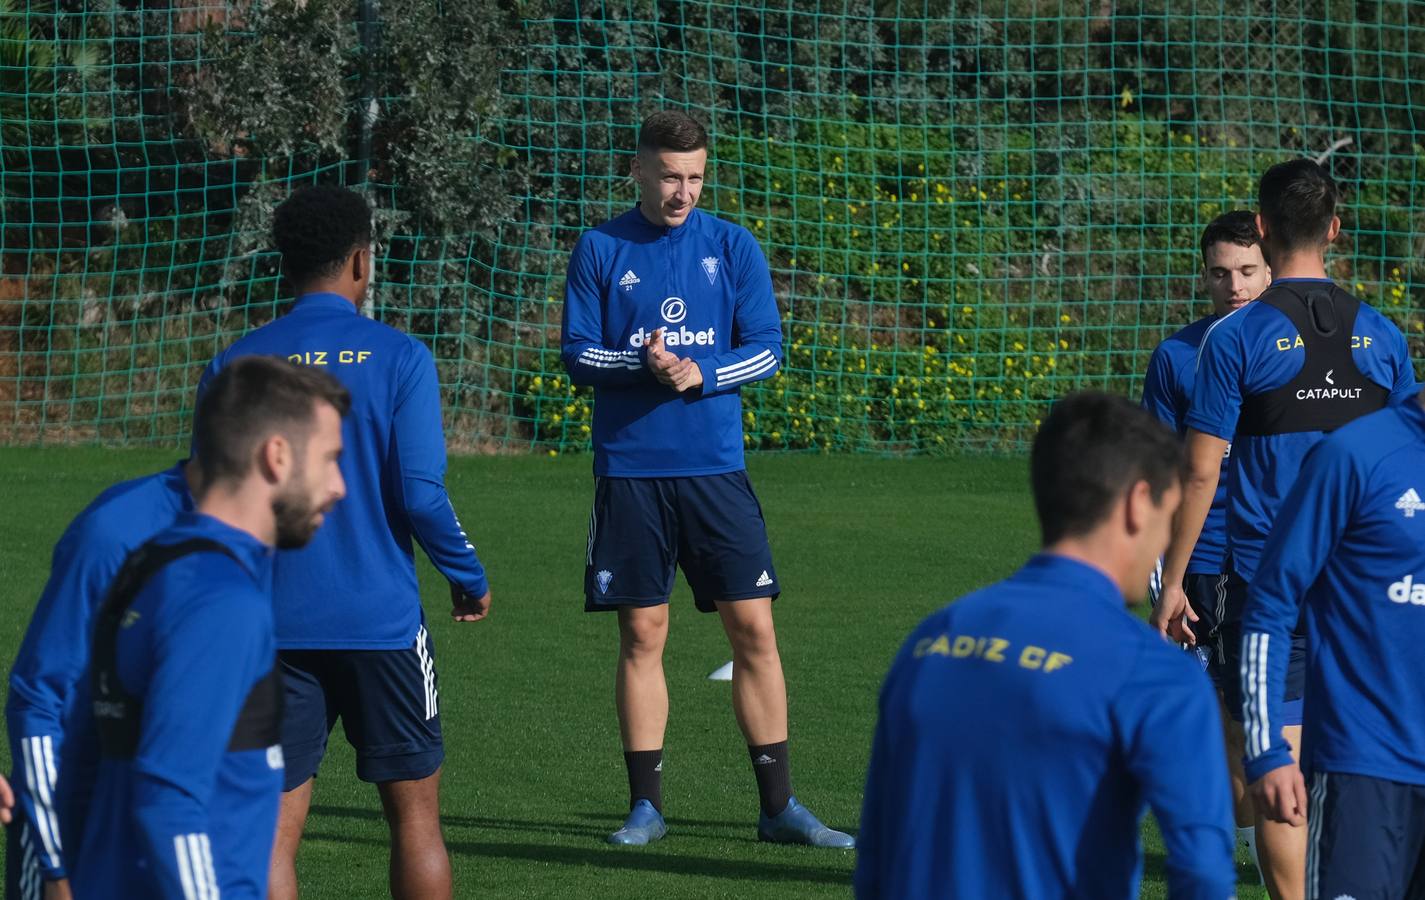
<point x="774" y="776"/>
<point x="645" y="777"/>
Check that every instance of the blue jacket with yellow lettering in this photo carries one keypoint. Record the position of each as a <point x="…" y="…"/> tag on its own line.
<point x="1252" y="351"/>
<point x="1022" y="731"/>
<point x="354" y="586"/>
<point x="707" y="284"/>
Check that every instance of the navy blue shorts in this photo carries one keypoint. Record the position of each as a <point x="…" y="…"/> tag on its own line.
<point x="1229" y="650"/>
<point x="1365" y="838"/>
<point x="642" y="529"/>
<point x="387" y="701"/>
<point x="1207" y="595"/>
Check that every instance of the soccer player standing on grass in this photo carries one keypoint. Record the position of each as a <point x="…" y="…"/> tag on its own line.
<point x="1349" y="546"/>
<point x="350" y="627"/>
<point x="53" y="655"/>
<point x="183" y="696"/>
<point x="1023" y="727"/>
<point x="1234" y="274"/>
<point x="667" y="313"/>
<point x="1303" y="360"/>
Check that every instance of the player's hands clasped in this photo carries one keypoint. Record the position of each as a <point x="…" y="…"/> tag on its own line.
<point x="668" y="368"/>
<point x="1172" y="615"/>
<point x="465" y="608"/>
<point x="1280" y="795"/>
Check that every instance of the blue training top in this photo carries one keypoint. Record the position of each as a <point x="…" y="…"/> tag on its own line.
<point x="55" y="650"/>
<point x="186" y="817"/>
<point x="1254" y="350"/>
<point x="1022" y="730"/>
<point x="354" y="586"/>
<point x="707" y="283"/>
<point x="1351" y="549"/>
<point x="1167" y="394"/>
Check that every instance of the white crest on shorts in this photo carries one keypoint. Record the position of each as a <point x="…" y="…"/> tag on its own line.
<point x="604" y="576"/>
<point x="710" y="264"/>
<point x="765" y="580"/>
<point x="274" y="757"/>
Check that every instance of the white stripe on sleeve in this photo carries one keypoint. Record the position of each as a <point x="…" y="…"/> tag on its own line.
<point x="730" y="369"/>
<point x="185" y="867"/>
<point x="210" y="877"/>
<point x="748" y="374"/>
<point x="38" y="780"/>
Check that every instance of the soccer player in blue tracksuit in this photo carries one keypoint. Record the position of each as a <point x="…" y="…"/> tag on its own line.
<point x="55" y="651"/>
<point x="1024" y="727"/>
<point x="350" y="627"/>
<point x="667" y="313"/>
<point x="1234" y="273"/>
<point x="1273" y="377"/>
<point x="1349" y="548"/>
<point x="183" y="696"/>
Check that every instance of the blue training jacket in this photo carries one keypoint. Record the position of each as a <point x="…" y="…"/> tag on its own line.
<point x="1350" y="547"/>
<point x="55" y="649"/>
<point x="186" y="817"/>
<point x="1167" y="394"/>
<point x="707" y="283"/>
<point x="1022" y="731"/>
<point x="354" y="586"/>
<point x="1254" y="350"/>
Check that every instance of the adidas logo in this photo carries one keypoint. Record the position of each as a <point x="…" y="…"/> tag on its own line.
<point x="1409" y="503"/>
<point x="766" y="580"/>
<point x="628" y="280"/>
<point x="659" y="767"/>
<point x="763" y="760"/>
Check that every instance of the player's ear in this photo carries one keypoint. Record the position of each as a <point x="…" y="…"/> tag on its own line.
<point x="1138" y="507"/>
<point x="274" y="458"/>
<point x="358" y="264"/>
<point x="1333" y="230"/>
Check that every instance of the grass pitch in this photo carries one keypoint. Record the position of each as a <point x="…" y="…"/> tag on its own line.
<point x="534" y="777"/>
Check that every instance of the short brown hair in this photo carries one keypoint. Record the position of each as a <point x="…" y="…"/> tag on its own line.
<point x="671" y="130"/>
<point x="249" y="401"/>
<point x="1298" y="200"/>
<point x="1091" y="448"/>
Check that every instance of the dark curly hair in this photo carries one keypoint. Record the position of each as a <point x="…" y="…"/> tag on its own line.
<point x="316" y="228"/>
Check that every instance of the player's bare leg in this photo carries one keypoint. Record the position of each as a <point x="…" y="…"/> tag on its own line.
<point x="420" y="866"/>
<point x="641" y="695"/>
<point x="1282" y="847"/>
<point x="759" y="701"/>
<point x="759" y="690"/>
<point x="291" y="819"/>
<point x="1244" y="812"/>
<point x="640" y="691"/>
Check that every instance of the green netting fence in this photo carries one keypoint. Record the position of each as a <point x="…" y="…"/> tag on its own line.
<point x="969" y="207"/>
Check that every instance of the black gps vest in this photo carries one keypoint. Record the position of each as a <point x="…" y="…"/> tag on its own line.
<point x="1330" y="390"/>
<point x="118" y="714"/>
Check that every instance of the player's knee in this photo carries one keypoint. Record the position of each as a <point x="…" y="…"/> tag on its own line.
<point x="643" y="636"/>
<point x="753" y="639"/>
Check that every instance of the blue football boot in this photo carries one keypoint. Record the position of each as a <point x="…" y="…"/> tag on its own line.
<point x="644" y="825"/>
<point x="796" y="825"/>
